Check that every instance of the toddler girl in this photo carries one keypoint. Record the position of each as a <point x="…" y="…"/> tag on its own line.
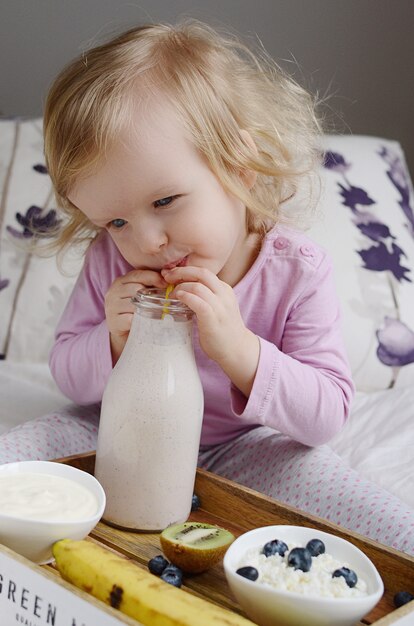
<point x="185" y="159"/>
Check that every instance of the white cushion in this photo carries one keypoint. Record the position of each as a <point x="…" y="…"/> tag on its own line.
<point x="367" y="225"/>
<point x="33" y="291"/>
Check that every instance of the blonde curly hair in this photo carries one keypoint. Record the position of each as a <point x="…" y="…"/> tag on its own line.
<point x="218" y="86"/>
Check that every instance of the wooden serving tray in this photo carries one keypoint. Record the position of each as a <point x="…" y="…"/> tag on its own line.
<point x="239" y="509"/>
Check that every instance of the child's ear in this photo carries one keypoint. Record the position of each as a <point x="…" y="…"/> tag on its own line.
<point x="249" y="176"/>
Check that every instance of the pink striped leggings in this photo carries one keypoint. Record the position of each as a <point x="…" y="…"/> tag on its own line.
<point x="315" y="480"/>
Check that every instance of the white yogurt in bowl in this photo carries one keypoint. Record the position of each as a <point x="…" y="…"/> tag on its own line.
<point x="44" y="497"/>
<point x="42" y="502"/>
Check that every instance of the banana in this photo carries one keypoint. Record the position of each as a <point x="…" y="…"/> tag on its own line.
<point x="137" y="593"/>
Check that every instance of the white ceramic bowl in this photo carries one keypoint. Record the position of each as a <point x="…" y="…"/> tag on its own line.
<point x="268" y="606"/>
<point x="34" y="538"/>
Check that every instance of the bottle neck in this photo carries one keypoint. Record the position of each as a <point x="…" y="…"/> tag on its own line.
<point x="154" y="304"/>
<point x="160" y="321"/>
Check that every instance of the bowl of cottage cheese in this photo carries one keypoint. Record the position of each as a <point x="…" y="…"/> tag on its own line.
<point x="42" y="502"/>
<point x="300" y="576"/>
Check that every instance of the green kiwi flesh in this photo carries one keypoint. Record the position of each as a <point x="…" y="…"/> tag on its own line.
<point x="194" y="546"/>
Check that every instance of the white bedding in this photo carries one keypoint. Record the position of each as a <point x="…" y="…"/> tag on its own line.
<point x="27" y="390"/>
<point x="377" y="441"/>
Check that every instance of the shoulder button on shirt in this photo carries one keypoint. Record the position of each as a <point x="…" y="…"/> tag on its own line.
<point x="281" y="243"/>
<point x="307" y="250"/>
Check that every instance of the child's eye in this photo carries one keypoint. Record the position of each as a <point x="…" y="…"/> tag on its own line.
<point x="117" y="223"/>
<point x="164" y="201"/>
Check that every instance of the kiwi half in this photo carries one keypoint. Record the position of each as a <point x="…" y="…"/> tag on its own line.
<point x="194" y="546"/>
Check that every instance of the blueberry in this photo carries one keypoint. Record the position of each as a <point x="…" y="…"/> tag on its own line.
<point x="172" y="575"/>
<point x="351" y="578"/>
<point x="248" y="572"/>
<point x="316" y="547"/>
<point x="402" y="597"/>
<point x="300" y="558"/>
<point x="195" y="502"/>
<point x="157" y="565"/>
<point x="174" y="568"/>
<point x="275" y="547"/>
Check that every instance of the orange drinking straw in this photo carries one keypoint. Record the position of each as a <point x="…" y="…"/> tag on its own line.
<point x="165" y="309"/>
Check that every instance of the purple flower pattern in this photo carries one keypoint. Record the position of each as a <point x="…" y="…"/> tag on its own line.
<point x="395" y="340"/>
<point x="4" y="283"/>
<point x="39" y="167"/>
<point x="385" y="254"/>
<point x="336" y="162"/>
<point x="396" y="343"/>
<point x="380" y="258"/>
<point x="35" y="223"/>
<point x="398" y="176"/>
<point x="352" y="196"/>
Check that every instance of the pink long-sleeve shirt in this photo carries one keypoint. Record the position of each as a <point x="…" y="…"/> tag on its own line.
<point x="302" y="388"/>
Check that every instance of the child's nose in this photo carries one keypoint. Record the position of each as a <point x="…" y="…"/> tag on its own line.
<point x="150" y="238"/>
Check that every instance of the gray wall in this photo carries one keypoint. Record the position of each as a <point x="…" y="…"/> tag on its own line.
<point x="358" y="52"/>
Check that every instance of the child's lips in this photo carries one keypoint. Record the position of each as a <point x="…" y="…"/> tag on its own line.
<point x="179" y="263"/>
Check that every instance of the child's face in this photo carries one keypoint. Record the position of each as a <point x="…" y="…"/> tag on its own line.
<point x="162" y="205"/>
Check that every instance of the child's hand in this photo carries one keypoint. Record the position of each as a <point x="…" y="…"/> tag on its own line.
<point x="119" y="309"/>
<point x="223" y="335"/>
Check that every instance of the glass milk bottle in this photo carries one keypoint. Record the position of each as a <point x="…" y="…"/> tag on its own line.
<point x="151" y="417"/>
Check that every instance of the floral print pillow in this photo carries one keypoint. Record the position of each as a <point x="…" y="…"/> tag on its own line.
<point x="367" y="225"/>
<point x="33" y="291"/>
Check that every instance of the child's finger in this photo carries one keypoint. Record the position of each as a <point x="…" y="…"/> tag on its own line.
<point x="124" y="321"/>
<point x="197" y="289"/>
<point x="192" y="274"/>
<point x="149" y="278"/>
<point x="200" y="306"/>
